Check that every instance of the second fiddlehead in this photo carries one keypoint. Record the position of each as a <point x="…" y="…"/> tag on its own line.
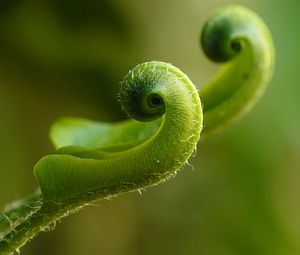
<point x="239" y="38"/>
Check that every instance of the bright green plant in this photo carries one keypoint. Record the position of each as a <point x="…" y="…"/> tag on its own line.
<point x="94" y="161"/>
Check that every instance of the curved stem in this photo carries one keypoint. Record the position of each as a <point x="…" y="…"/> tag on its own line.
<point x="42" y="219"/>
<point x="17" y="211"/>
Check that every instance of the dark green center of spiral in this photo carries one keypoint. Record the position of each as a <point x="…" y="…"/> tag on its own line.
<point x="236" y="46"/>
<point x="154" y="101"/>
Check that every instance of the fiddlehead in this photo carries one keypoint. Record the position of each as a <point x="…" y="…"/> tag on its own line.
<point x="147" y="92"/>
<point x="74" y="176"/>
<point x="239" y="38"/>
<point x="233" y="36"/>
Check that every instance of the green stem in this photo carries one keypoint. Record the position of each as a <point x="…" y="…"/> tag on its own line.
<point x="43" y="219"/>
<point x="18" y="211"/>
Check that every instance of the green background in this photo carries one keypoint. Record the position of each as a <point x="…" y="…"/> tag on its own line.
<point x="63" y="57"/>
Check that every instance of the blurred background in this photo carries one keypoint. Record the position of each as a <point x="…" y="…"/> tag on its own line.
<point x="63" y="57"/>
